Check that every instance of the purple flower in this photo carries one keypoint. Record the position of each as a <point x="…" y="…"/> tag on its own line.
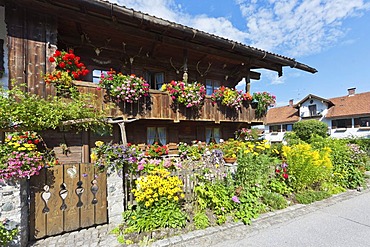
<point x="284" y="165"/>
<point x="84" y="175"/>
<point x="235" y="199"/>
<point x="140" y="167"/>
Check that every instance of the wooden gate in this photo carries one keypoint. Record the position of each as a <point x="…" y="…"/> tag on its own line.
<point x="65" y="198"/>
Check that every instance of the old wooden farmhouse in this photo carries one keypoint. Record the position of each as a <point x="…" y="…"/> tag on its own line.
<point x="107" y="36"/>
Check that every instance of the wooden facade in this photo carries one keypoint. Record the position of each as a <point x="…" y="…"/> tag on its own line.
<point x="109" y="36"/>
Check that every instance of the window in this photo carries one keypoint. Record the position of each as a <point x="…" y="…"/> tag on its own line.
<point x="97" y="74"/>
<point x="155" y="79"/>
<point x="362" y="122"/>
<point x="156" y="134"/>
<point x="312" y="110"/>
<point x="275" y="128"/>
<point x="287" y="127"/>
<point x="341" y="123"/>
<point x="213" y="135"/>
<point x="211" y="86"/>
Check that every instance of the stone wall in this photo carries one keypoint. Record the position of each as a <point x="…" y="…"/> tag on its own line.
<point x="14" y="207"/>
<point x="115" y="198"/>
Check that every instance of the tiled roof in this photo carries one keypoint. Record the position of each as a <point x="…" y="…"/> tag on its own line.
<point x="279" y="115"/>
<point x="357" y="104"/>
<point x="285" y="61"/>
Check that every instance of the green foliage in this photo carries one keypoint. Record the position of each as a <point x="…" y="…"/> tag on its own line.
<point x="348" y="160"/>
<point x="274" y="200"/>
<point x="31" y="112"/>
<point x="215" y="196"/>
<point x="7" y="235"/>
<point x="276" y="185"/>
<point x="305" y="129"/>
<point x="308" y="197"/>
<point x="250" y="206"/>
<point x="308" y="168"/>
<point x="253" y="170"/>
<point x="201" y="220"/>
<point x="144" y="219"/>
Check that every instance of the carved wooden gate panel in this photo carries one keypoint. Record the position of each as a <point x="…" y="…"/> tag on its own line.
<point x="65" y="198"/>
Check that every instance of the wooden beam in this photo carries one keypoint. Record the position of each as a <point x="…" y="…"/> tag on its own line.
<point x="106" y="21"/>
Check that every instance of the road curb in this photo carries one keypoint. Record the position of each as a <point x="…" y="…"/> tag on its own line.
<point x="211" y="235"/>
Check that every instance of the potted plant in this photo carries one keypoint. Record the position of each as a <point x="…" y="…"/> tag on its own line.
<point x="230" y="97"/>
<point x="263" y="101"/>
<point x="67" y="68"/>
<point x="191" y="95"/>
<point x="231" y="149"/>
<point x="127" y="88"/>
<point x="155" y="150"/>
<point x="22" y="155"/>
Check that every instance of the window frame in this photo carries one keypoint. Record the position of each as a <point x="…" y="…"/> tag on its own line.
<point x="212" y="83"/>
<point x="151" y="78"/>
<point x="157" y="135"/>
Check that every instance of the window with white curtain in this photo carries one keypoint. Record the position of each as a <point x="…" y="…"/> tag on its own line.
<point x="154" y="79"/>
<point x="213" y="135"/>
<point x="156" y="134"/>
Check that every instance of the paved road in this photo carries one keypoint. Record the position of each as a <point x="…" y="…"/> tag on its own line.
<point x="343" y="220"/>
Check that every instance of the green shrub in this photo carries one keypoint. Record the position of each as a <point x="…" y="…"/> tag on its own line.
<point x="274" y="200"/>
<point x="215" y="196"/>
<point x="308" y="168"/>
<point x="305" y="129"/>
<point x="348" y="161"/>
<point x="201" y="220"/>
<point x="7" y="235"/>
<point x="253" y="170"/>
<point x="308" y="197"/>
<point x="276" y="185"/>
<point x="250" y="205"/>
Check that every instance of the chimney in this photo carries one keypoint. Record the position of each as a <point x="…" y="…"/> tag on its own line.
<point x="291" y="103"/>
<point x="351" y="91"/>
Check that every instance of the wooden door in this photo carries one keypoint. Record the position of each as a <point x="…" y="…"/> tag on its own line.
<point x="66" y="198"/>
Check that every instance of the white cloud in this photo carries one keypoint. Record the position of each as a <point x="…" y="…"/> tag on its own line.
<point x="289" y="27"/>
<point x="298" y="27"/>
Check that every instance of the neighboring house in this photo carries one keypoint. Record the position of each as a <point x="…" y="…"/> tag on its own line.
<point x="346" y="116"/>
<point x="106" y="36"/>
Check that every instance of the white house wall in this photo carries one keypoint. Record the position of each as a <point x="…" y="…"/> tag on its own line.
<point x="321" y="107"/>
<point x="3" y="35"/>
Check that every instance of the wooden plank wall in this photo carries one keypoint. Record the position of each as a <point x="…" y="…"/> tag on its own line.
<point x="32" y="38"/>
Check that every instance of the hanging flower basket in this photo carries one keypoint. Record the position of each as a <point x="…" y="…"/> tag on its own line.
<point x="230" y="97"/>
<point x="67" y="68"/>
<point x="127" y="88"/>
<point x="191" y="95"/>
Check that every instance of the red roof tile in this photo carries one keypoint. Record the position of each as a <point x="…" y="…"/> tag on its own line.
<point x="354" y="105"/>
<point x="285" y="114"/>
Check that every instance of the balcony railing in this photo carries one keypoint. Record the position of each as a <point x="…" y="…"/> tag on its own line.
<point x="159" y="105"/>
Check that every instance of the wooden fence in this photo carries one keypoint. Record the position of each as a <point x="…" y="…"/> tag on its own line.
<point x="188" y="175"/>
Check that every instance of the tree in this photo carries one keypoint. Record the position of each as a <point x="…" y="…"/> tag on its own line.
<point x="305" y="129"/>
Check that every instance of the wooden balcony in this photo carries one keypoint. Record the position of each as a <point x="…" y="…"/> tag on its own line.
<point x="159" y="106"/>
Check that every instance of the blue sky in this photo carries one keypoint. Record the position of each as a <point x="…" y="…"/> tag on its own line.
<point x="332" y="36"/>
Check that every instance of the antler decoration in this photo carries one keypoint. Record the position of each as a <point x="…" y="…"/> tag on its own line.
<point x="137" y="55"/>
<point x="173" y="66"/>
<point x="205" y="72"/>
<point x="97" y="50"/>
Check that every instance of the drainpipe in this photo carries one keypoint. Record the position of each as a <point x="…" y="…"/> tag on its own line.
<point x="121" y="124"/>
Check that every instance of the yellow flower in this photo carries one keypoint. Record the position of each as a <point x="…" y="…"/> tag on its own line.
<point x="93" y="157"/>
<point x="99" y="143"/>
